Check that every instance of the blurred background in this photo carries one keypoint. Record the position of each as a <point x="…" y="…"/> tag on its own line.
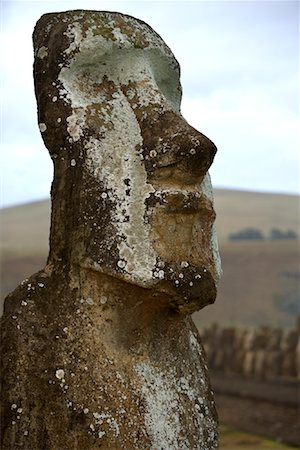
<point x="240" y="77"/>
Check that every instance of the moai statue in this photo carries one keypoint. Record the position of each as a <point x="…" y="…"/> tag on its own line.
<point x="240" y="353"/>
<point x="216" y="360"/>
<point x="273" y="362"/>
<point x="297" y="327"/>
<point x="99" y="349"/>
<point x="263" y="335"/>
<point x="229" y="348"/>
<point x="289" y="354"/>
<point x="210" y="341"/>
<point x="249" y="349"/>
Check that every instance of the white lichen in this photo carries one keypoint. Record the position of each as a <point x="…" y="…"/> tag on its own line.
<point x="60" y="373"/>
<point x="42" y="127"/>
<point x="161" y="416"/>
<point x="76" y="124"/>
<point x="113" y="160"/>
<point x="103" y="300"/>
<point x="121" y="263"/>
<point x="90" y="301"/>
<point x="161" y="274"/>
<point x="42" y="52"/>
<point x="74" y="33"/>
<point x="169" y="396"/>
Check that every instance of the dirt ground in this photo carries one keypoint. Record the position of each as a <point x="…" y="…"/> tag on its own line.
<point x="260" y="407"/>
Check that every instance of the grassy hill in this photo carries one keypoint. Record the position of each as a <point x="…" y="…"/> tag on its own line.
<point x="237" y="210"/>
<point x="260" y="284"/>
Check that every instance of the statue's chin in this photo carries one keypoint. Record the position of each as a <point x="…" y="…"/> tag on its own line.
<point x="187" y="298"/>
<point x="185" y="287"/>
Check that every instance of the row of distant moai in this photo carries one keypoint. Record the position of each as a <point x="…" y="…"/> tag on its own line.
<point x="262" y="353"/>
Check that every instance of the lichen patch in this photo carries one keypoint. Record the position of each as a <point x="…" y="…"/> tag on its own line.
<point x="162" y="416"/>
<point x="176" y="405"/>
<point x="60" y="373"/>
<point x="115" y="162"/>
<point x="42" y="52"/>
<point x="42" y="127"/>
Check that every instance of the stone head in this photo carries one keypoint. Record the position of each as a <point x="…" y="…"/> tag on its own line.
<point x="131" y="195"/>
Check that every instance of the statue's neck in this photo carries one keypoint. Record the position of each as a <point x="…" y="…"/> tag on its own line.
<point x="129" y="316"/>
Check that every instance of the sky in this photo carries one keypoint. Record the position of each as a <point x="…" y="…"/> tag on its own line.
<point x="240" y="77"/>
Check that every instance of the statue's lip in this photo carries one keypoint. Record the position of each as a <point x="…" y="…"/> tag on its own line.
<point x="184" y="200"/>
<point x="178" y="191"/>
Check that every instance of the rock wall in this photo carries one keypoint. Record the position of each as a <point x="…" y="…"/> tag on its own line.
<point x="261" y="353"/>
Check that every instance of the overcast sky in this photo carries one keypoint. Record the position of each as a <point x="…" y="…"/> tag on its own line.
<point x="240" y="77"/>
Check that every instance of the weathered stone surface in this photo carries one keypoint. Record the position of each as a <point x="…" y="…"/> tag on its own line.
<point x="99" y="350"/>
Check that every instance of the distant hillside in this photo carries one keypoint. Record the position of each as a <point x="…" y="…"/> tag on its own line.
<point x="261" y="279"/>
<point x="237" y="210"/>
<point x="260" y="285"/>
<point x="25" y="229"/>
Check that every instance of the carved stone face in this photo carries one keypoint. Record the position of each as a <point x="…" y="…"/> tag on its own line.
<point x="109" y="111"/>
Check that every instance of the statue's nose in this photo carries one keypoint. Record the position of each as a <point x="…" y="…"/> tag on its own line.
<point x="171" y="144"/>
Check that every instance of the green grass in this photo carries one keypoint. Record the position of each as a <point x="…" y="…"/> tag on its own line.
<point x="232" y="439"/>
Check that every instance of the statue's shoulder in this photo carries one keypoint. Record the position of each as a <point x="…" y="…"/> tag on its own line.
<point x="30" y="293"/>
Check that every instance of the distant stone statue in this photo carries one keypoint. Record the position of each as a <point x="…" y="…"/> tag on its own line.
<point x="99" y="349"/>
<point x="289" y="349"/>
<point x="273" y="358"/>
